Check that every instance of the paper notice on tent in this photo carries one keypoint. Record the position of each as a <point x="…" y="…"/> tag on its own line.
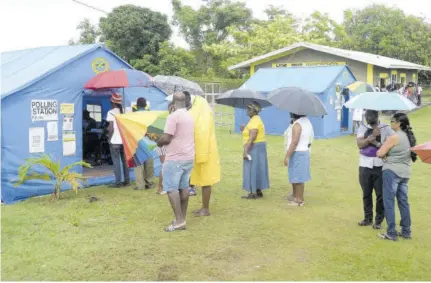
<point x="52" y="130"/>
<point x="69" y="143"/>
<point x="44" y="110"/>
<point x="67" y="108"/>
<point x="68" y="123"/>
<point x="36" y="140"/>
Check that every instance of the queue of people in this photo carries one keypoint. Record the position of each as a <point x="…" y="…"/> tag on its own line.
<point x="189" y="154"/>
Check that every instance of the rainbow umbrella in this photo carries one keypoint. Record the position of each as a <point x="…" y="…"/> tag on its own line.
<point x="135" y="127"/>
<point x="423" y="151"/>
<point x="119" y="79"/>
<point x="360" y="87"/>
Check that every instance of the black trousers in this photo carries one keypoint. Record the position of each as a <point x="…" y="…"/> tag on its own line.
<point x="371" y="179"/>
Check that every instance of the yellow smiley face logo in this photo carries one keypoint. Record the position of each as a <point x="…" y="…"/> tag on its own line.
<point x="100" y="65"/>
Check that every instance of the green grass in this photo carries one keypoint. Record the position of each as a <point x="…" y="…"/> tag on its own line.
<point x="120" y="237"/>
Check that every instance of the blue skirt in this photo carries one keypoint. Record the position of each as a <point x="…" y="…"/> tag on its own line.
<point x="255" y="171"/>
<point x="299" y="167"/>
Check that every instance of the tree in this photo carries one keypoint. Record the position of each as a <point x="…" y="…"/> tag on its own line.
<point x="89" y="33"/>
<point x="172" y="61"/>
<point x="321" y="29"/>
<point x="273" y="11"/>
<point x="133" y="32"/>
<point x="55" y="173"/>
<point x="388" y="31"/>
<point x="261" y="39"/>
<point x="209" y="25"/>
<point x="210" y="22"/>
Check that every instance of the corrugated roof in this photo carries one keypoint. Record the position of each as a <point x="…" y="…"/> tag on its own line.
<point x="368" y="58"/>
<point x="314" y="79"/>
<point x="22" y="68"/>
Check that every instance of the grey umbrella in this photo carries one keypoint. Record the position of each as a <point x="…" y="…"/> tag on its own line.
<point x="298" y="101"/>
<point x="171" y="84"/>
<point x="240" y="98"/>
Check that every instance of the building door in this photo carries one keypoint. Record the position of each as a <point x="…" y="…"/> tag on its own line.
<point x="345" y="111"/>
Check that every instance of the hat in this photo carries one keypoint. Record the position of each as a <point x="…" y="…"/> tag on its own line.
<point x="116" y="98"/>
<point x="255" y="107"/>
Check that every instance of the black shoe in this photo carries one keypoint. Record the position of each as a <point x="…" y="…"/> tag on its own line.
<point x="149" y="186"/>
<point x="385" y="236"/>
<point x="259" y="193"/>
<point x="250" y="196"/>
<point x="125" y="184"/>
<point x="404" y="236"/>
<point x="377" y="226"/>
<point x="117" y="186"/>
<point x="365" y="223"/>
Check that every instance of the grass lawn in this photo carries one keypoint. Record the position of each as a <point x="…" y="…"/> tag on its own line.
<point x="120" y="237"/>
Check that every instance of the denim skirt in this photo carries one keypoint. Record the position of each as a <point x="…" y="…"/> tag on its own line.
<point x="255" y="171"/>
<point x="299" y="167"/>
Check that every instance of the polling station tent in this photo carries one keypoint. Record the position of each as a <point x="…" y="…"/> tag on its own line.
<point x="41" y="90"/>
<point x="327" y="82"/>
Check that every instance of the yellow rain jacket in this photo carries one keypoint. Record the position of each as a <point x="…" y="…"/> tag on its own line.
<point x="206" y="171"/>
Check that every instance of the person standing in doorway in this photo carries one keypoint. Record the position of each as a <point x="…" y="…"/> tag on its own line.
<point x="116" y="143"/>
<point x="396" y="174"/>
<point x="178" y="138"/>
<point x="145" y="172"/>
<point x="369" y="139"/>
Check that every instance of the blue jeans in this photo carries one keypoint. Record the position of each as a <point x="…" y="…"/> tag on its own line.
<point x="395" y="186"/>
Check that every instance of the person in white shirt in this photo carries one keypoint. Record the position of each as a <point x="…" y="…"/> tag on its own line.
<point x="358" y="117"/>
<point x="419" y="91"/>
<point x="298" y="138"/>
<point x="116" y="144"/>
<point x="369" y="139"/>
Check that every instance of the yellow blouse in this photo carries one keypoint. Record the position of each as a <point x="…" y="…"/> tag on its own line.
<point x="255" y="123"/>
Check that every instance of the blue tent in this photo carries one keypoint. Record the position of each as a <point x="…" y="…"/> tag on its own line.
<point x="326" y="82"/>
<point x="35" y="84"/>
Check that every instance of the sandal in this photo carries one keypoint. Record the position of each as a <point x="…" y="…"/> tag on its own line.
<point x="250" y="196"/>
<point x="295" y="203"/>
<point x="172" y="228"/>
<point x="259" y="193"/>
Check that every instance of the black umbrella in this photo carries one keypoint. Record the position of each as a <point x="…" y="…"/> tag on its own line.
<point x="298" y="101"/>
<point x="240" y="98"/>
<point x="172" y="84"/>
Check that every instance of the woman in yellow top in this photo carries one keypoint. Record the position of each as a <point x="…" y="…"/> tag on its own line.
<point x="255" y="164"/>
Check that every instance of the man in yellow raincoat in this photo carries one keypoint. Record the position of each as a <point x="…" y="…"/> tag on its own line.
<point x="206" y="171"/>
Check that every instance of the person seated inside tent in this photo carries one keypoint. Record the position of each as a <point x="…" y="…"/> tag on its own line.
<point x="90" y="140"/>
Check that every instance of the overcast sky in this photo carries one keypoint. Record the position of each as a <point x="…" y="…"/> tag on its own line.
<point x="34" y="23"/>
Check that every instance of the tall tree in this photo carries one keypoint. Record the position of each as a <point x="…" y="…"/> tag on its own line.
<point x="264" y="37"/>
<point x="133" y="32"/>
<point x="209" y="25"/>
<point x="172" y="60"/>
<point x="388" y="31"/>
<point x="321" y="29"/>
<point x="89" y="33"/>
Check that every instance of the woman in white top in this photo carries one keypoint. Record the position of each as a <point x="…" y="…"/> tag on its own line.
<point x="116" y="143"/>
<point x="298" y="139"/>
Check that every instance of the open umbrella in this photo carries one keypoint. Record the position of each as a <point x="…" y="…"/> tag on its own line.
<point x="380" y="101"/>
<point x="423" y="151"/>
<point x="360" y="87"/>
<point x="119" y="79"/>
<point x="297" y="100"/>
<point x="240" y="98"/>
<point x="171" y="84"/>
<point x="134" y="128"/>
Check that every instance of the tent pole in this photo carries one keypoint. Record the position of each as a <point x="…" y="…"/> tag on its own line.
<point x="124" y="101"/>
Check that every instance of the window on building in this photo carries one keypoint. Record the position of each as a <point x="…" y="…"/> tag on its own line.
<point x="95" y="111"/>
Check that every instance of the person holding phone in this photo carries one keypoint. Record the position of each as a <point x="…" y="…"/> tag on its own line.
<point x="369" y="139"/>
<point x="255" y="159"/>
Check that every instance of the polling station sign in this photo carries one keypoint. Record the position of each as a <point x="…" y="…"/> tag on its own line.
<point x="44" y="110"/>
